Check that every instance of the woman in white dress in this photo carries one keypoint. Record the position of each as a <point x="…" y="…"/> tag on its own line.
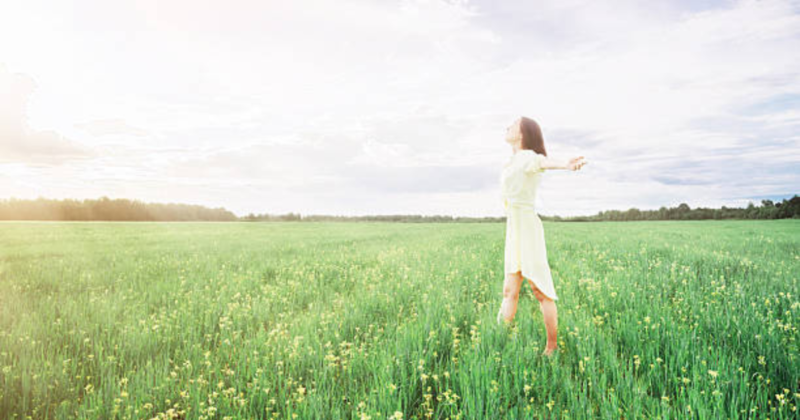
<point x="525" y="250"/>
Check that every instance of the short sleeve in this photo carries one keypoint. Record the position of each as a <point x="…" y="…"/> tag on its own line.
<point x="534" y="163"/>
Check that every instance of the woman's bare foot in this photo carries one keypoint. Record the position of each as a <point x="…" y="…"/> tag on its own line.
<point x="549" y="351"/>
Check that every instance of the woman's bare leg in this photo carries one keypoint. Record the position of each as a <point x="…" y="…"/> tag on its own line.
<point x="550" y="315"/>
<point x="511" y="286"/>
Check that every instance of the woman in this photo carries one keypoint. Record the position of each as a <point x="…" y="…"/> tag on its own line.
<point x="525" y="251"/>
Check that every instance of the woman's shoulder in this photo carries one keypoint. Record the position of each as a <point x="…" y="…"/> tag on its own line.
<point x="528" y="153"/>
<point x="522" y="155"/>
<point x="531" y="152"/>
<point x="532" y="155"/>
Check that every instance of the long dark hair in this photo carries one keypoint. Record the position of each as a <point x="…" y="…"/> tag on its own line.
<point x="532" y="136"/>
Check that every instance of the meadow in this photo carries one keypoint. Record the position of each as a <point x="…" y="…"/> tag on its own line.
<point x="306" y="320"/>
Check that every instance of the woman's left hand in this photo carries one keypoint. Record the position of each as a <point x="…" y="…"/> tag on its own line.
<point x="576" y="163"/>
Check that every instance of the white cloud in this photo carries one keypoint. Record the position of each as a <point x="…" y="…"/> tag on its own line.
<point x="113" y="126"/>
<point x="20" y="143"/>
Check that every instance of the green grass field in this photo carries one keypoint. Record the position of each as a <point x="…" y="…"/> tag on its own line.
<point x="382" y="320"/>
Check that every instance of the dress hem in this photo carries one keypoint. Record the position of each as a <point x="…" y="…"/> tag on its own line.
<point x="524" y="277"/>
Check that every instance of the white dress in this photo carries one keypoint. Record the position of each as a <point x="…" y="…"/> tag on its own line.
<point x="525" y="248"/>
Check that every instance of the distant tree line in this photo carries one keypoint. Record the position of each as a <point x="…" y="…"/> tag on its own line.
<point x="786" y="209"/>
<point x="134" y="210"/>
<point x="411" y="218"/>
<point x="108" y="209"/>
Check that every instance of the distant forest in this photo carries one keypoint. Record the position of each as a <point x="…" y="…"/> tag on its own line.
<point x="108" y="209"/>
<point x="786" y="209"/>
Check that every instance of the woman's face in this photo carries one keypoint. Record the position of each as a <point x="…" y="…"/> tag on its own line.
<point x="514" y="132"/>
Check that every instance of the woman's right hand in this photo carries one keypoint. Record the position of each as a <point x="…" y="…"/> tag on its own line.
<point x="576" y="163"/>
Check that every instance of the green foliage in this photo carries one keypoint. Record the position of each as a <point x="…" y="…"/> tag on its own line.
<point x="132" y="210"/>
<point x="786" y="209"/>
<point x="389" y="320"/>
<point x="403" y="218"/>
<point x="107" y="209"/>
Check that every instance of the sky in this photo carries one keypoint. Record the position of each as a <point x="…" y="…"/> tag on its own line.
<point x="355" y="107"/>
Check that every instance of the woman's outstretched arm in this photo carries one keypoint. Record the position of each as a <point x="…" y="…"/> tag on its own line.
<point x="572" y="164"/>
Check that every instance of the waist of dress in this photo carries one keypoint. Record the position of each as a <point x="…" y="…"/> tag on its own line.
<point x="520" y="204"/>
